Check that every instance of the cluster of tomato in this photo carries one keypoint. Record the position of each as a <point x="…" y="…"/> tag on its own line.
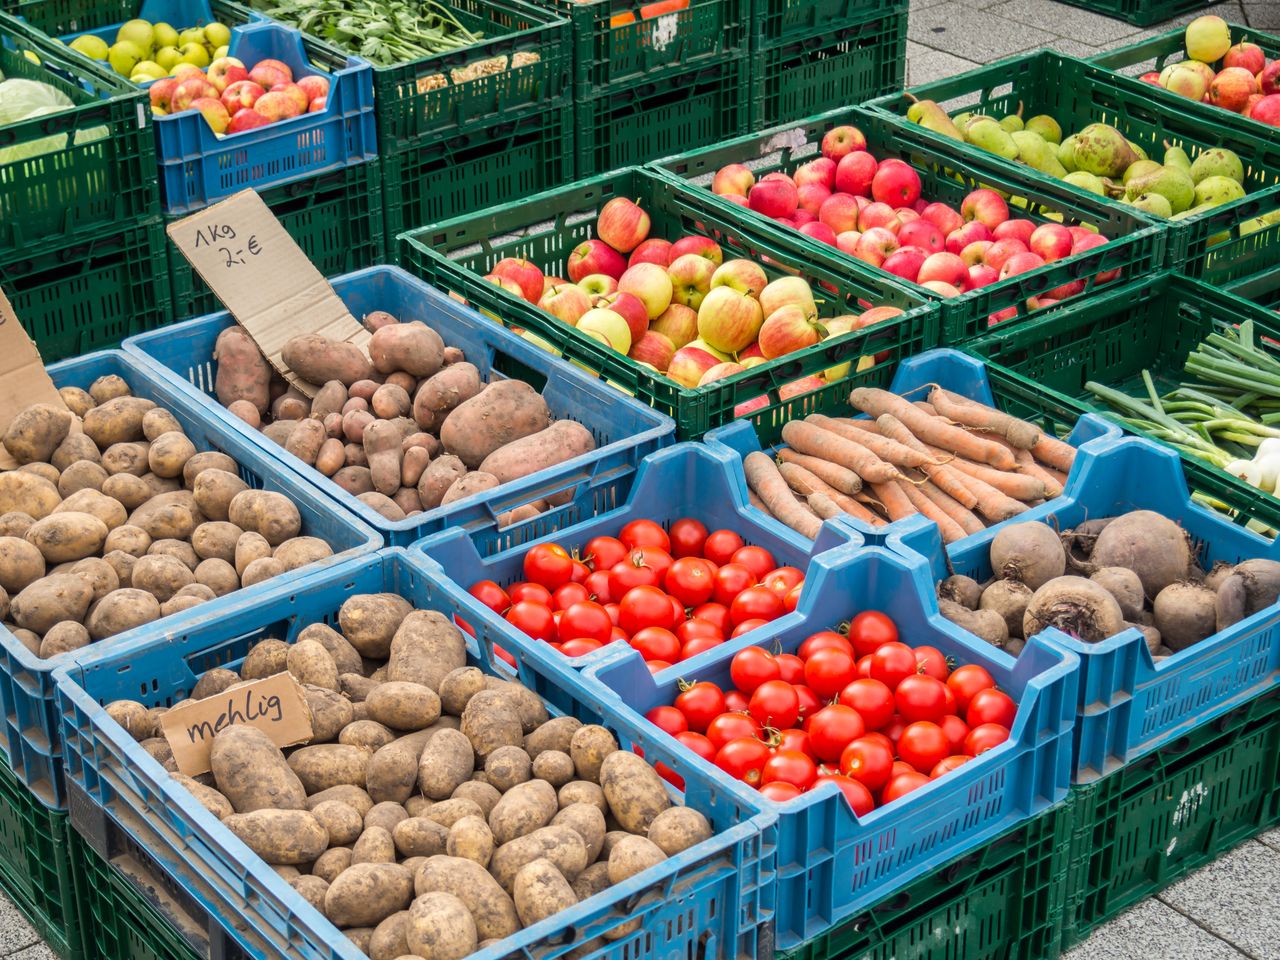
<point x="864" y="711"/>
<point x="671" y="595"/>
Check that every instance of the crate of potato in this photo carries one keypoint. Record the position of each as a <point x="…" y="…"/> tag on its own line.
<point x="685" y="870"/>
<point x="108" y="530"/>
<point x="466" y="408"/>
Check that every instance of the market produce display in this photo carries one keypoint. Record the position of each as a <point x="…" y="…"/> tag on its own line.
<point x="863" y="710"/>
<point x="24" y="99"/>
<point x="409" y="427"/>
<point x="145" y="51"/>
<point x="434" y="808"/>
<point x="670" y="593"/>
<point x="957" y="462"/>
<point x="114" y="520"/>
<point x="233" y="97"/>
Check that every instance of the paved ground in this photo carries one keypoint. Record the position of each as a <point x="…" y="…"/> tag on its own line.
<point x="1229" y="910"/>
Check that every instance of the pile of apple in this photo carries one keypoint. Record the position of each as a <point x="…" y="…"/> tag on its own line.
<point x="678" y="308"/>
<point x="234" y="98"/>
<point x="872" y="210"/>
<point x="1243" y="82"/>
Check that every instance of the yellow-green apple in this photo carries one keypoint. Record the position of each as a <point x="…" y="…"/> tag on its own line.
<point x="820" y="232"/>
<point x="597" y="285"/>
<point x="745" y="276"/>
<point x="810" y="196"/>
<point x="1021" y="263"/>
<point x="1246" y="55"/>
<point x="607" y="326"/>
<point x="986" y="206"/>
<point x="566" y="301"/>
<point x="630" y="308"/>
<point x="161" y="93"/>
<point x="784" y="291"/>
<point x="838" y="327"/>
<point x="943" y="217"/>
<point x="526" y="275"/>
<point x="1232" y="88"/>
<point x="895" y="183"/>
<point x="225" y="71"/>
<point x="549" y="282"/>
<point x="749" y="362"/>
<point x="1267" y="110"/>
<point x="998" y="253"/>
<point x="1269" y="78"/>
<point x="840" y="141"/>
<point x="690" y="279"/>
<point x="704" y="247"/>
<point x="595" y="256"/>
<point x="650" y="283"/>
<point x="1051" y="241"/>
<point x="678" y="323"/>
<point x="787" y="330"/>
<point x="905" y="262"/>
<point x="510" y="286"/>
<point x="215" y="114"/>
<point x="922" y="233"/>
<point x="944" y="290"/>
<point x="732" y="180"/>
<point x="855" y="173"/>
<point x="246" y="120"/>
<point x="720" y="355"/>
<point x="839" y="212"/>
<point x="622" y="224"/>
<point x="874" y="245"/>
<point x="240" y="95"/>
<point x="975" y="252"/>
<point x="190" y="90"/>
<point x="314" y="86"/>
<point x="774" y="198"/>
<point x="980" y="275"/>
<point x="1207" y="38"/>
<point x="946" y="267"/>
<point x="1185" y="81"/>
<point x="728" y="319"/>
<point x="971" y="232"/>
<point x="277" y="105"/>
<point x="719" y="372"/>
<point x="847" y="242"/>
<point x="267" y="73"/>
<point x="294" y="93"/>
<point x="821" y="171"/>
<point x="653" y="250"/>
<point x="653" y="348"/>
<point x="878" y="215"/>
<point x="689" y="363"/>
<point x="1017" y="229"/>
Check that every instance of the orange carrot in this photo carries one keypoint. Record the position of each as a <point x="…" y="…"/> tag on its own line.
<point x="979" y="416"/>
<point x="950" y="530"/>
<point x="891" y="451"/>
<point x="1027" y="464"/>
<point x="754" y="499"/>
<point x="779" y="502"/>
<point x="832" y="474"/>
<point x="927" y="407"/>
<point x="894" y="498"/>
<point x="823" y="506"/>
<point x="937" y="471"/>
<point x="1019" y="486"/>
<point x="966" y="518"/>
<point x="932" y="430"/>
<point x="807" y="438"/>
<point x="805" y="482"/>
<point x="1058" y="476"/>
<point x="991" y="503"/>
<point x="1052" y="452"/>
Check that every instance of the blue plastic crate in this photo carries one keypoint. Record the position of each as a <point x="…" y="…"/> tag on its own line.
<point x="31" y="735"/>
<point x="943" y="367"/>
<point x="713" y="897"/>
<point x="1128" y="704"/>
<point x="625" y="431"/>
<point x="830" y="863"/>
<point x="687" y="480"/>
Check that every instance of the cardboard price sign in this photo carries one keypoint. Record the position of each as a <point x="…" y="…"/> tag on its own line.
<point x="275" y="705"/>
<point x="262" y="276"/>
<point x="23" y="380"/>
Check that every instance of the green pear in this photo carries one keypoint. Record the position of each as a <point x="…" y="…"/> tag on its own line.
<point x="1169" y="182"/>
<point x="1047" y="127"/>
<point x="1086" y="181"/>
<point x="932" y="117"/>
<point x="1153" y="203"/>
<point x="1036" y="153"/>
<point x="1067" y="154"/>
<point x="1142" y="154"/>
<point x="1176" y="157"/>
<point x="1103" y="151"/>
<point x="986" y="134"/>
<point x="1217" y="162"/>
<point x="1011" y="123"/>
<point x="1217" y="190"/>
<point x="1140" y="169"/>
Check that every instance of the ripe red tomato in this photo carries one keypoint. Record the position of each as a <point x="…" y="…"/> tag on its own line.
<point x="656" y="666"/>
<point x="809" y="702"/>
<point x="716" y="613"/>
<point x="644" y="533"/>
<point x="677" y="611"/>
<point x="587" y="620"/>
<point x="598" y="586"/>
<point x="923" y="745"/>
<point x="792" y="599"/>
<point x="775" y="704"/>
<point x="691" y="581"/>
<point x="920" y="697"/>
<point x="604" y="552"/>
<point x="932" y="663"/>
<point x="618" y="633"/>
<point x="755" y="603"/>
<point x="697" y="646"/>
<point x="892" y="663"/>
<point x="859" y="798"/>
<point x="698" y="743"/>
<point x="491" y="595"/>
<point x="793" y="739"/>
<point x="668" y="719"/>
<point x="687" y="537"/>
<point x="746" y="626"/>
<point x="756" y="559"/>
<point x="956" y="730"/>
<point x="903" y="784"/>
<point x="735" y="701"/>
<point x="790" y="667"/>
<point x="631" y="572"/>
<point x="732" y="726"/>
<point x="893" y="730"/>
<point x="867" y="761"/>
<point x="614" y="612"/>
<point x="947" y="765"/>
<point x="698" y="630"/>
<point x="567" y="594"/>
<point x="720" y="546"/>
<point x="700" y="703"/>
<point x="752" y="666"/>
<point x="531" y="593"/>
<point x="823" y="640"/>
<point x="982" y="738"/>
<point x="879" y="737"/>
<point x="870" y="630"/>
<point x="872" y="699"/>
<point x="991" y="706"/>
<point x="967" y="680"/>
<point x="548" y="564"/>
<point x="645" y="607"/>
<point x="533" y="619"/>
<point x="655" y="643"/>
<point x="900" y="767"/>
<point x="744" y="759"/>
<point x="580" y="572"/>
<point x="731" y="580"/>
<point x="790" y="766"/>
<point x="779" y="791"/>
<point x="832" y="729"/>
<point x="579" y="647"/>
<point x="829" y="671"/>
<point x="864" y="667"/>
<point x="658" y="560"/>
<point x="782" y="581"/>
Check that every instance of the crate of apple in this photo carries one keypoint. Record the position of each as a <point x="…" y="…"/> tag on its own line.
<point x="860" y="709"/>
<point x="678" y="307"/>
<point x="872" y="210"/>
<point x="233" y="97"/>
<point x="669" y="594"/>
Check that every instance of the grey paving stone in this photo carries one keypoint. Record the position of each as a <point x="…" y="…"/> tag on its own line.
<point x="1271" y="838"/>
<point x="37" y="951"/>
<point x="1073" y="23"/>
<point x="1075" y="48"/>
<point x="1264" y="16"/>
<point x="15" y="932"/>
<point x="924" y="64"/>
<point x="1152" y="930"/>
<point x="1236" y="897"/>
<point x="973" y="34"/>
<point x="915" y="5"/>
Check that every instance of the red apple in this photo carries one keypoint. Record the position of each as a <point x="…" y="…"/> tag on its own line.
<point x="1269" y="78"/>
<point x="720" y="371"/>
<point x="972" y="232"/>
<point x="975" y="252"/>
<point x="622" y="224"/>
<point x="278" y="105"/>
<point x="841" y="141"/>
<point x="876" y="244"/>
<point x="162" y="91"/>
<point x="985" y="206"/>
<point x="799" y="218"/>
<point x="944" y="290"/>
<point x="877" y="315"/>
<point x="1267" y="110"/>
<point x="1020" y="263"/>
<point x="650" y="283"/>
<point x="878" y="215"/>
<point x="1249" y="104"/>
<point x="735" y="199"/>
<point x="980" y="275"/>
<point x="1051" y="241"/>
<point x="820" y="232"/>
<point x="922" y="233"/>
<point x="225" y="71"/>
<point x="1092" y="241"/>
<point x="847" y="241"/>
<point x="314" y="86"/>
<point x="855" y="173"/>
<point x="1232" y="88"/>
<point x="811" y="197"/>
<point x="784" y="292"/>
<point x="215" y="114"/>
<point x="752" y="353"/>
<point x="728" y="320"/>
<point x="774" y="198"/>
<point x="946" y="267"/>
<point x="704" y="247"/>
<point x="787" y="330"/>
<point x="943" y="217"/>
<point x="905" y="263"/>
<point x="503" y="283"/>
<point x="802" y="386"/>
<point x="595" y="256"/>
<point x="689" y="363"/>
<point x="998" y="253"/>
<point x="821" y="171"/>
<point x="652" y="250"/>
<point x="190" y="90"/>
<point x="1015" y="229"/>
<point x="566" y="301"/>
<point x="733" y="180"/>
<point x="525" y="274"/>
<point x="839" y="212"/>
<point x="654" y="349"/>
<point x="896" y="184"/>
<point x="318" y="105"/>
<point x="745" y="276"/>
<point x="630" y="308"/>
<point x="240" y="95"/>
<point x="678" y="323"/>
<point x="1246" y="55"/>
<point x="1152" y="78"/>
<point x="1071" y="289"/>
<point x="267" y="73"/>
<point x="690" y="279"/>
<point x="596" y="285"/>
<point x="246" y="120"/>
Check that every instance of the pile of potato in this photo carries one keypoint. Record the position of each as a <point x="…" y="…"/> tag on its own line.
<point x="410" y="427"/>
<point x="436" y="809"/>
<point x="114" y="520"/>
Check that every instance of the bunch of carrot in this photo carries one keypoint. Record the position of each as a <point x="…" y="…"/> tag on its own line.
<point x="960" y="463"/>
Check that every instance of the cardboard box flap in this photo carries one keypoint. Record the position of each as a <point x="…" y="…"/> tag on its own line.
<point x="23" y="380"/>
<point x="262" y="276"/>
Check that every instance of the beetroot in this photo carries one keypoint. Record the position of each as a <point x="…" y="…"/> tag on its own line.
<point x="1030" y="553"/>
<point x="1151" y="545"/>
<point x="1078" y="607"/>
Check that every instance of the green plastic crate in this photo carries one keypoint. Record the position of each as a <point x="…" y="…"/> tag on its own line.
<point x="652" y="118"/>
<point x="499" y="162"/>
<point x="544" y="229"/>
<point x="1003" y="901"/>
<point x="777" y="21"/>
<point x="1141" y="13"/>
<point x="58" y="18"/>
<point x="37" y="870"/>
<point x="1136" y="244"/>
<point x="1169" y="812"/>
<point x="84" y="293"/>
<point x="1226" y="243"/>
<point x="336" y="218"/>
<point x="94" y="164"/>
<point x="1263" y="289"/>
<point x="1150" y="324"/>
<point x="420" y="101"/>
<point x="840" y="62"/>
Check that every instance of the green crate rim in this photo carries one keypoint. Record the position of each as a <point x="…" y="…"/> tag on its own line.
<point x="1141" y="13"/>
